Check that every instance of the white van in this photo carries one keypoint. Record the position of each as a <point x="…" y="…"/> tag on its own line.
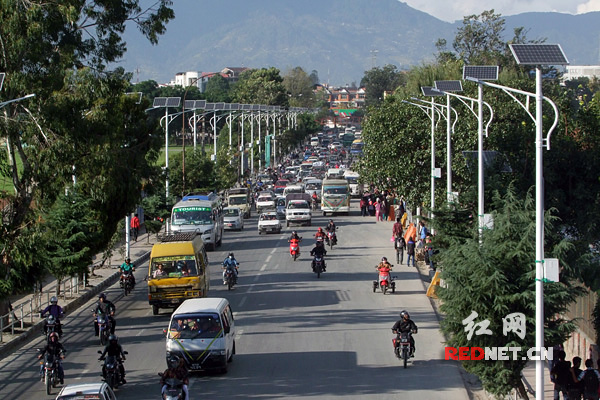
<point x="314" y="142"/>
<point x="202" y="331"/>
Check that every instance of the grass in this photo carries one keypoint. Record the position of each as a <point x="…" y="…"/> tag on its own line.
<point x="175" y="151"/>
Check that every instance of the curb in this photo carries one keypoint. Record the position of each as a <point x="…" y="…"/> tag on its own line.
<point x="36" y="328"/>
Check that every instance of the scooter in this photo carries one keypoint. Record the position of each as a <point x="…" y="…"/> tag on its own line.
<point x="385" y="282"/>
<point x="295" y="248"/>
<point x="402" y="346"/>
<point x="174" y="389"/>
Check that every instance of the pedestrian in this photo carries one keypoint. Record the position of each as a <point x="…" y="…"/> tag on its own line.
<point x="590" y="378"/>
<point x="423" y="232"/>
<point x="575" y="389"/>
<point x="135" y="227"/>
<point x="378" y="206"/>
<point x="363" y="206"/>
<point x="410" y="251"/>
<point x="562" y="374"/>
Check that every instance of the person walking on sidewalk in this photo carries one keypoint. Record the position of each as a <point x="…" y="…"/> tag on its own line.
<point x="410" y="251"/>
<point x="590" y="378"/>
<point x="135" y="227"/>
<point x="561" y="372"/>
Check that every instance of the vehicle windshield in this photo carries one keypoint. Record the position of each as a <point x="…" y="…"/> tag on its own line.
<point x="280" y="202"/>
<point x="298" y="204"/>
<point x="232" y="212"/>
<point x="293" y="190"/>
<point x="192" y="216"/>
<point x="263" y="199"/>
<point x="238" y="200"/>
<point x="313" y="186"/>
<point x="268" y="217"/>
<point x="194" y="326"/>
<point x="173" y="267"/>
<point x="335" y="190"/>
<point x="352" y="179"/>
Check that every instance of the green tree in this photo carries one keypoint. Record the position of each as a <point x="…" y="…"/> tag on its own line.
<point x="218" y="90"/>
<point x="261" y="86"/>
<point x="199" y="173"/>
<point x="299" y="87"/>
<point x="495" y="278"/>
<point x="379" y="80"/>
<point x="479" y="41"/>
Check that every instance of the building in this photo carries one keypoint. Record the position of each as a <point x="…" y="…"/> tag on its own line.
<point x="581" y="71"/>
<point x="185" y="79"/>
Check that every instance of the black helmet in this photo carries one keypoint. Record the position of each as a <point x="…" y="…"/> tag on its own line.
<point x="404" y="314"/>
<point x="231" y="254"/>
<point x="172" y="362"/>
<point x="53" y="300"/>
<point x="330" y="220"/>
<point x="128" y="260"/>
<point x="384" y="259"/>
<point x="102" y="296"/>
<point x="294" y="233"/>
<point x="113" y="338"/>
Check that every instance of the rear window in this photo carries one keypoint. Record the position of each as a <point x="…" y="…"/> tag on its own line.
<point x="264" y="199"/>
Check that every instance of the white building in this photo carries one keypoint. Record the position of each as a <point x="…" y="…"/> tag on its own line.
<point x="581" y="71"/>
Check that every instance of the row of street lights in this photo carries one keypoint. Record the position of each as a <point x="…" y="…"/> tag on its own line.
<point x="537" y="55"/>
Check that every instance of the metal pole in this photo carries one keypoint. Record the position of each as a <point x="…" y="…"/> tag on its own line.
<point x="195" y="130"/>
<point x="539" y="237"/>
<point x="215" y="134"/>
<point x="230" y="123"/>
<point x="432" y="158"/>
<point x="259" y="144"/>
<point x="127" y="236"/>
<point x="480" y="178"/>
<point x="274" y="144"/>
<point x="242" y="147"/>
<point x="252" y="143"/>
<point x="167" y="152"/>
<point x="448" y="151"/>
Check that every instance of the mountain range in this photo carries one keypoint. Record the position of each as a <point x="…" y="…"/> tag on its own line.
<point x="340" y="39"/>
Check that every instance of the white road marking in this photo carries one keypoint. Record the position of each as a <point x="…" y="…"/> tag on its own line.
<point x="273" y="251"/>
<point x="276" y="266"/>
<point x="264" y="266"/>
<point x="140" y="332"/>
<point x="238" y="334"/>
<point x="242" y="301"/>
<point x="268" y="258"/>
<point x="85" y="371"/>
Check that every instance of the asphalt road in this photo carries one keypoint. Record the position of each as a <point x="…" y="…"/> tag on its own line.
<point x="297" y="336"/>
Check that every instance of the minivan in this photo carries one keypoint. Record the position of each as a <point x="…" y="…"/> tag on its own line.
<point x="201" y="332"/>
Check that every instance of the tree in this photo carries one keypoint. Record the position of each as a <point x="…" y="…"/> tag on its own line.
<point x="79" y="124"/>
<point x="314" y="77"/>
<point x="495" y="278"/>
<point x="261" y="86"/>
<point x="218" y="90"/>
<point x="199" y="173"/>
<point x="479" y="41"/>
<point x="379" y="80"/>
<point x="299" y="87"/>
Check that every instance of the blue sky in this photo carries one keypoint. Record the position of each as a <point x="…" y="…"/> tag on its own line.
<point x="452" y="10"/>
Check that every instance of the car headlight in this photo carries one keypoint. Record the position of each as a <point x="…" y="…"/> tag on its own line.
<point x="208" y="232"/>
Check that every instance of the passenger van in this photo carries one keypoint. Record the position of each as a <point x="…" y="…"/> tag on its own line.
<point x="202" y="214"/>
<point x="314" y="142"/>
<point x="202" y="332"/>
<point x="178" y="270"/>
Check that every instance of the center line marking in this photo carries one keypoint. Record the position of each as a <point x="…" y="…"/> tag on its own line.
<point x="140" y="332"/>
<point x="242" y="301"/>
<point x="273" y="251"/>
<point x="268" y="258"/>
<point x="264" y="266"/>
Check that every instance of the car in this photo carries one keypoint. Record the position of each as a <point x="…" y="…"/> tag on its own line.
<point x="268" y="222"/>
<point x="298" y="212"/>
<point x="97" y="391"/>
<point x="265" y="202"/>
<point x="280" y="204"/>
<point x="233" y="218"/>
<point x="313" y="185"/>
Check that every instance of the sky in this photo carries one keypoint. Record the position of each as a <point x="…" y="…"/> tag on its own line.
<point x="452" y="10"/>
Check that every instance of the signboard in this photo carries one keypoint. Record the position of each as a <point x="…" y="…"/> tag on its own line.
<point x="267" y="151"/>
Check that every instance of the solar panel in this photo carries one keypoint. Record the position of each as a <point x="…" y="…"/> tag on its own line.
<point x="429" y="92"/>
<point x="2" y="76"/>
<point x="219" y="106"/>
<point x="159" y="102"/>
<point x="538" y="54"/>
<point x="448" y="86"/>
<point x="209" y="106"/>
<point x="199" y="104"/>
<point x="246" y="107"/>
<point x="189" y="104"/>
<point x="234" y="106"/>
<point x="481" y="72"/>
<point x="173" y="101"/>
<point x="264" y="107"/>
<point x="255" y="107"/>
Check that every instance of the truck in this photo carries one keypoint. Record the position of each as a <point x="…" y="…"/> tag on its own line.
<point x="240" y="198"/>
<point x="335" y="196"/>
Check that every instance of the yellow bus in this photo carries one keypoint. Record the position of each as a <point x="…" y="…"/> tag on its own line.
<point x="177" y="271"/>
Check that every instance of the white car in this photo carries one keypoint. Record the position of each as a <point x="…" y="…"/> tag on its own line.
<point x="233" y="218"/>
<point x="98" y="391"/>
<point x="298" y="212"/>
<point x="268" y="222"/>
<point x="264" y="203"/>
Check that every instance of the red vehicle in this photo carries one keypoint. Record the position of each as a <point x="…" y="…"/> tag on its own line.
<point x="385" y="281"/>
<point x="294" y="248"/>
<point x="280" y="185"/>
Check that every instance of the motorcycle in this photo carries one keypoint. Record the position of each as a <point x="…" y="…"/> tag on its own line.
<point x="126" y="282"/>
<point x="111" y="372"/>
<point x="315" y="204"/>
<point x="295" y="248"/>
<point x="385" y="282"/>
<point x="103" y="327"/>
<point x="50" y="371"/>
<point x="318" y="265"/>
<point x="402" y="346"/>
<point x="230" y="278"/>
<point x="331" y="239"/>
<point x="174" y="389"/>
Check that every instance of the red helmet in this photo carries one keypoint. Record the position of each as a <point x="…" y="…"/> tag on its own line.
<point x="53" y="337"/>
<point x="320" y="229"/>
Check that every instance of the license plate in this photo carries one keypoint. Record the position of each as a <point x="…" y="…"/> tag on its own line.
<point x="196" y="366"/>
<point x="174" y="301"/>
<point x="229" y="224"/>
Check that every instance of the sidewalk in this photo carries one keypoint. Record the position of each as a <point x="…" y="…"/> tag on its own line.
<point x="70" y="299"/>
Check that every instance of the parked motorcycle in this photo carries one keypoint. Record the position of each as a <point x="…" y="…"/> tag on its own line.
<point x="402" y="346"/>
<point x="126" y="282"/>
<point x="174" y="390"/>
<point x="111" y="371"/>
<point x="294" y="248"/>
<point x="103" y="327"/>
<point x="384" y="282"/>
<point x="318" y="265"/>
<point x="50" y="371"/>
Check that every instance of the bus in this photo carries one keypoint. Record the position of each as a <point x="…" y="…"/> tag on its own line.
<point x="357" y="147"/>
<point x="335" y="196"/>
<point x="200" y="213"/>
<point x="177" y="271"/>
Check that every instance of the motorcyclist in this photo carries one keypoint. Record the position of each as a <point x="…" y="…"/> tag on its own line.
<point x="320" y="235"/>
<point x="318" y="251"/>
<point x="55" y="311"/>
<point x="331" y="228"/>
<point x="403" y="325"/>
<point x="128" y="267"/>
<point x="231" y="264"/>
<point x="295" y="236"/>
<point x="384" y="266"/>
<point x="114" y="349"/>
<point x="315" y="199"/>
<point x="55" y="348"/>
<point x="107" y="308"/>
<point x="176" y="370"/>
